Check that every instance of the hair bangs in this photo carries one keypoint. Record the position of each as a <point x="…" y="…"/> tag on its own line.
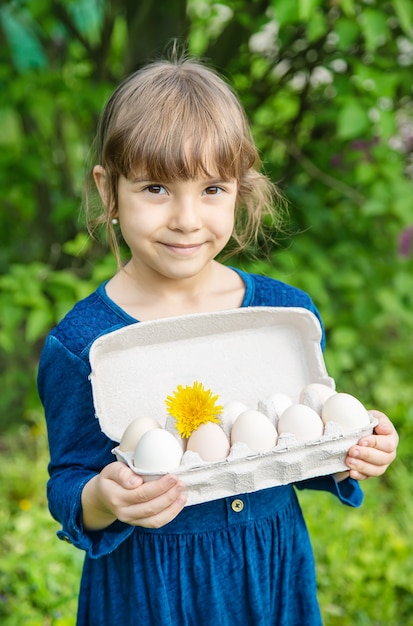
<point x="179" y="157"/>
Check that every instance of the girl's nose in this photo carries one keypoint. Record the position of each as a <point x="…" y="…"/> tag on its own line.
<point x="186" y="215"/>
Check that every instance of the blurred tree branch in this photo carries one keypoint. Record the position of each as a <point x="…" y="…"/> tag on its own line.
<point x="152" y="26"/>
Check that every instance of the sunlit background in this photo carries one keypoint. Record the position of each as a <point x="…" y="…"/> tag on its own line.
<point x="328" y="89"/>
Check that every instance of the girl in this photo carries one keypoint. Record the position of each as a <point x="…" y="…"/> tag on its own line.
<point x="177" y="169"/>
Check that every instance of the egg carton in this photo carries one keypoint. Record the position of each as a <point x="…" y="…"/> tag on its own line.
<point x="244" y="355"/>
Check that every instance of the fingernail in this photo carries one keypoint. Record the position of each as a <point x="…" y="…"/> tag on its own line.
<point x="134" y="480"/>
<point x="363" y="442"/>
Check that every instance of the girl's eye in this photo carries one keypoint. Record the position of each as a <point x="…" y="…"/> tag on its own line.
<point x="213" y="190"/>
<point x="156" y="189"/>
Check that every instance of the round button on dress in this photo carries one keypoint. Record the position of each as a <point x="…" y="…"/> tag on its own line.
<point x="237" y="505"/>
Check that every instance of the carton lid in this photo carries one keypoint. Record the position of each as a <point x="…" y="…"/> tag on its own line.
<point x="246" y="354"/>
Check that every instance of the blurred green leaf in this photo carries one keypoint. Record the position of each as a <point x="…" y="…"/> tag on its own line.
<point x="374" y="27"/>
<point x="38" y="323"/>
<point x="306" y="9"/>
<point x="317" y="26"/>
<point x="347" y="31"/>
<point x="286" y="12"/>
<point x="352" y="120"/>
<point x="404" y="11"/>
<point x="79" y="246"/>
<point x="25" y="45"/>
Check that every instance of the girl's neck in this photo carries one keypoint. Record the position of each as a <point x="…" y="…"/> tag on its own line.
<point x="218" y="288"/>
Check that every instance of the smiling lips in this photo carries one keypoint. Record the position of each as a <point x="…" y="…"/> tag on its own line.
<point x="183" y="249"/>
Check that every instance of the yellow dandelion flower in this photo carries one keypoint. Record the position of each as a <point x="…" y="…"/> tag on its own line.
<point x="191" y="407"/>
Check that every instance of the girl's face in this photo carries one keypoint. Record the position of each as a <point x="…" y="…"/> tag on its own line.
<point x="174" y="230"/>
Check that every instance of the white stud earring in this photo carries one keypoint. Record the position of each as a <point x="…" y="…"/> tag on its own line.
<point x="114" y="220"/>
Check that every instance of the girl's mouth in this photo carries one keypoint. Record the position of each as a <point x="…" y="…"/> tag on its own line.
<point x="183" y="249"/>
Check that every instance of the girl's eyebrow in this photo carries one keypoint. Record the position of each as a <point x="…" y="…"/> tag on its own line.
<point x="220" y="181"/>
<point x="215" y="181"/>
<point x="139" y="179"/>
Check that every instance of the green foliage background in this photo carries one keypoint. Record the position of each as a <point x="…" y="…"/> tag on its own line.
<point x="327" y="86"/>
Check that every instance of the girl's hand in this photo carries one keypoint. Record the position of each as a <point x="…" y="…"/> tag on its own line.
<point x="373" y="453"/>
<point x="119" y="493"/>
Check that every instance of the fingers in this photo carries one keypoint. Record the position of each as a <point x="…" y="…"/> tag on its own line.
<point x="121" y="475"/>
<point x="126" y="478"/>
<point x="118" y="493"/>
<point x="365" y="462"/>
<point x="385" y="426"/>
<point x="374" y="453"/>
<point x="384" y="437"/>
<point x="159" y="502"/>
<point x="149" y="504"/>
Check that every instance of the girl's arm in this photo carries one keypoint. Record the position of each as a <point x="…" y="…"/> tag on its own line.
<point x="79" y="451"/>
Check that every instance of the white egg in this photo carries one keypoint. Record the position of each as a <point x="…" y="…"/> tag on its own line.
<point x="209" y="441"/>
<point x="302" y="422"/>
<point x="347" y="411"/>
<point x="157" y="451"/>
<point x="274" y="406"/>
<point x="314" y="395"/>
<point x="134" y="431"/>
<point x="230" y="414"/>
<point x="255" y="430"/>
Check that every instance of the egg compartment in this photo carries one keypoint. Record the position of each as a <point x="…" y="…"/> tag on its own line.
<point x="290" y="461"/>
<point x="247" y="355"/>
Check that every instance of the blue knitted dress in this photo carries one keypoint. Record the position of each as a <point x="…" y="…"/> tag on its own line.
<point x="217" y="563"/>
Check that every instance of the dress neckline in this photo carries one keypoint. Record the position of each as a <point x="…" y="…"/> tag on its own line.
<point x="102" y="293"/>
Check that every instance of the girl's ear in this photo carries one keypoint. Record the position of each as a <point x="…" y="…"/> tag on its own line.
<point x="100" y="178"/>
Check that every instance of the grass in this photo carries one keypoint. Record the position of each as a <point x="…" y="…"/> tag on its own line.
<point x="364" y="557"/>
<point x="39" y="575"/>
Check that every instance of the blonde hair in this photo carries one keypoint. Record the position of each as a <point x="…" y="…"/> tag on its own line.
<point x="176" y="120"/>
